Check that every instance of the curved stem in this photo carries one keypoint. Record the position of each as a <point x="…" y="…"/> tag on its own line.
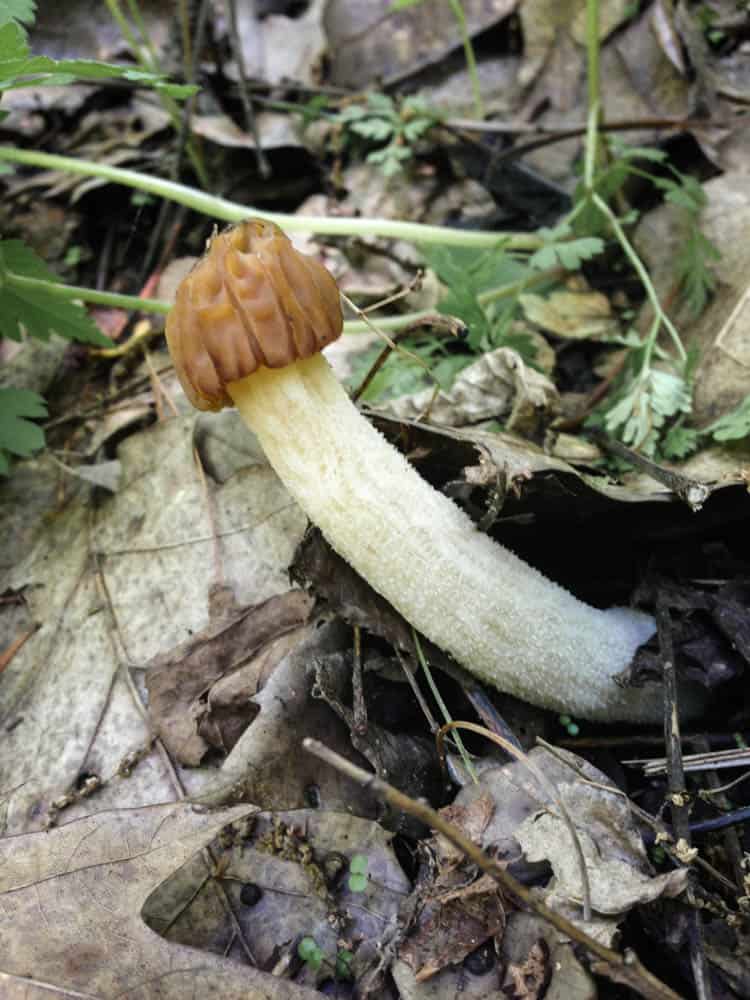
<point x="232" y="211"/>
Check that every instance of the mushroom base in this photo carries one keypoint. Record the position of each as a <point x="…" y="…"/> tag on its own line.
<point x="502" y="620"/>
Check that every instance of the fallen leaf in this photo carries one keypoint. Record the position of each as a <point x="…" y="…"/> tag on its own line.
<point x="498" y="386"/>
<point x="179" y="681"/>
<point x="71" y="914"/>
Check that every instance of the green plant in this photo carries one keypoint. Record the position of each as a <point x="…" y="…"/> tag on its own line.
<point x="313" y="956"/>
<point x="394" y="126"/>
<point x="19" y="67"/>
<point x="357" y="881"/>
<point x="30" y="302"/>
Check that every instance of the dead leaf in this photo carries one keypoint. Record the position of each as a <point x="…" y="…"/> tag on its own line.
<point x="71" y="913"/>
<point x="498" y="386"/>
<point x="451" y="924"/>
<point x="530" y="979"/>
<point x="298" y="862"/>
<point x="179" y="681"/>
<point x="573" y="315"/>
<point x="268" y="766"/>
<point x="368" y="41"/>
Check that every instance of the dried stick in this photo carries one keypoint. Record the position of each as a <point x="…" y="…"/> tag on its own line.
<point x="622" y="968"/>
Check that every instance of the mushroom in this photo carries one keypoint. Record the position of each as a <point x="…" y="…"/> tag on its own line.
<point x="247" y="329"/>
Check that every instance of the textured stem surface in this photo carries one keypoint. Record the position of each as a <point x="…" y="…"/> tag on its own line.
<point x="500" y="618"/>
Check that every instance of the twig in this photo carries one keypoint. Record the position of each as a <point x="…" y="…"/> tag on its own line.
<point x="251" y="124"/>
<point x="731" y="838"/>
<point x="691" y="491"/>
<point x="625" y="968"/>
<point x="678" y="797"/>
<point x="544" y="783"/>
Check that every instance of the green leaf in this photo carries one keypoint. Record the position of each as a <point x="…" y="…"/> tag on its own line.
<point x="679" y="442"/>
<point x="732" y="426"/>
<point x="357" y="883"/>
<point x="403" y="4"/>
<point x="309" y="951"/>
<point x="13" y="44"/>
<point x="23" y="11"/>
<point x="18" y="435"/>
<point x="373" y="128"/>
<point x="40" y="312"/>
<point x="568" y="254"/>
<point x="17" y="65"/>
<point x="359" y="864"/>
<point x="344" y="961"/>
<point x="697" y="281"/>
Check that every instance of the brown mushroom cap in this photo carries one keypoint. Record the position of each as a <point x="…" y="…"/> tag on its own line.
<point x="251" y="301"/>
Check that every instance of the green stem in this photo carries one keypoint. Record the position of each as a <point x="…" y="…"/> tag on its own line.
<point x="150" y="64"/>
<point x="592" y="54"/>
<point x="660" y="317"/>
<point x="81" y="294"/>
<point x="471" y="63"/>
<point x="232" y="211"/>
<point x="132" y="302"/>
<point x="443" y="707"/>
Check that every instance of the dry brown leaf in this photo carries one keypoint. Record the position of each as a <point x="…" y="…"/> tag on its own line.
<point x="497" y="386"/>
<point x="573" y="315"/>
<point x="179" y="681"/>
<point x="452" y="923"/>
<point x="268" y="766"/>
<point x="530" y="979"/>
<point x="71" y="920"/>
<point x="369" y="42"/>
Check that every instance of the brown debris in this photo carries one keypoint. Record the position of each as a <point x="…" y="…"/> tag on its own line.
<point x="187" y="714"/>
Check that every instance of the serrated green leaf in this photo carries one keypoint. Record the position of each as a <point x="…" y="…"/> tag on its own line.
<point x="23" y="11"/>
<point x="373" y="128"/>
<point x="732" y="426"/>
<point x="17" y="65"/>
<point x="568" y="255"/>
<point x="38" y="311"/>
<point x="668" y="393"/>
<point x="679" y="442"/>
<point x="18" y="435"/>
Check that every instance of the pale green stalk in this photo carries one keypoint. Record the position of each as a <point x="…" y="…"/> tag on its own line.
<point x="471" y="63"/>
<point x="151" y="65"/>
<point x="232" y="211"/>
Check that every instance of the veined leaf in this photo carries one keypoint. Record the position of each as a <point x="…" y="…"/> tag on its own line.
<point x="18" y="435"/>
<point x="38" y="311"/>
<point x="19" y="11"/>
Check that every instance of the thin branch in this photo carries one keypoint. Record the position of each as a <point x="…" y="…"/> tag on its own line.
<point x="624" y="968"/>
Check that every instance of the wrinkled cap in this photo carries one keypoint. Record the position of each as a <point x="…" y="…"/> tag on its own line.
<point x="251" y="301"/>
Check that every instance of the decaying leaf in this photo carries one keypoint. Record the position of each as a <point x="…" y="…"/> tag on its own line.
<point x="298" y="863"/>
<point x="531" y="978"/>
<point x="498" y="386"/>
<point x="268" y="766"/>
<point x="574" y="315"/>
<point x="456" y="910"/>
<point x="71" y="911"/>
<point x="453" y="923"/>
<point x="362" y="32"/>
<point x="179" y="681"/>
<point x="616" y="863"/>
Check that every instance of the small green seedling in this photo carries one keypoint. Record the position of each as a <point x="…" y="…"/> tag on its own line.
<point x="358" y="873"/>
<point x="310" y="953"/>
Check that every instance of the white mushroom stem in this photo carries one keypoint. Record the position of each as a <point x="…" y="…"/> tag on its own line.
<point x="500" y="618"/>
